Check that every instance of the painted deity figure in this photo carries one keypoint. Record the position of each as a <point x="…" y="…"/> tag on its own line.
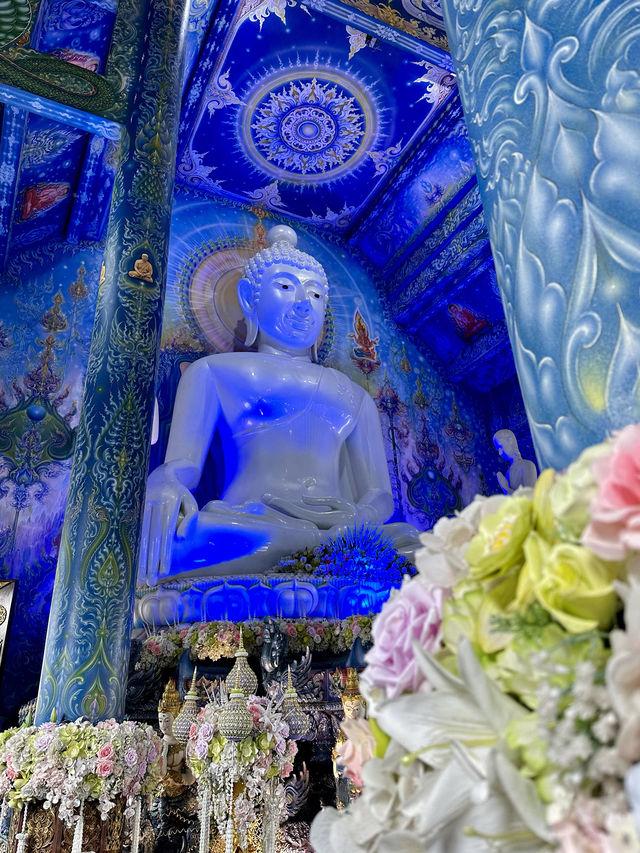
<point x="354" y="707"/>
<point x="176" y="776"/>
<point x="522" y="472"/>
<point x="303" y="443"/>
<point x="173" y="812"/>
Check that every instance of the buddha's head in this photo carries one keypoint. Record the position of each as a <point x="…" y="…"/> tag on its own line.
<point x="506" y="444"/>
<point x="283" y="294"/>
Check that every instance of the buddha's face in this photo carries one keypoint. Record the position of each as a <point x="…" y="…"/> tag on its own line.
<point x="291" y="307"/>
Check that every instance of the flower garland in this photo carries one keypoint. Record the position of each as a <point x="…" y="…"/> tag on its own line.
<point x="220" y="639"/>
<point x="65" y="765"/>
<point x="266" y="753"/>
<point x="504" y="680"/>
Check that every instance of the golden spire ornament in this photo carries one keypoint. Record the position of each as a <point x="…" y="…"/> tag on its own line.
<point x="170" y="700"/>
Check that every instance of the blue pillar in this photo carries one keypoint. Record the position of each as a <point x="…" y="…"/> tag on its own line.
<point x="87" y="648"/>
<point x="551" y="94"/>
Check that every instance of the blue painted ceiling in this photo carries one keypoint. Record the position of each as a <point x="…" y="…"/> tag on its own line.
<point x="341" y="115"/>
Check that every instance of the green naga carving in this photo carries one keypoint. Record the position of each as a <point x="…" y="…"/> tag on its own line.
<point x="53" y="78"/>
<point x="15" y="20"/>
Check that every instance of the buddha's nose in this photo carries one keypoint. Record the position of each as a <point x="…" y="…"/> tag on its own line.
<point x="302" y="304"/>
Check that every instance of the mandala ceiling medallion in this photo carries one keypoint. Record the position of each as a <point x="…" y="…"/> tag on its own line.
<point x="310" y="129"/>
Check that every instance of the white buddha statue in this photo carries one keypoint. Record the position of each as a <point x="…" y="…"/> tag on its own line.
<point x="306" y="452"/>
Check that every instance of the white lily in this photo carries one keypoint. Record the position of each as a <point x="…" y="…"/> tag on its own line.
<point x="471" y="801"/>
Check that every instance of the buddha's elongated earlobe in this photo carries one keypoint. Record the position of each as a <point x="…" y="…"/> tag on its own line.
<point x="247" y="300"/>
<point x="252" y="332"/>
<point x="314" y="352"/>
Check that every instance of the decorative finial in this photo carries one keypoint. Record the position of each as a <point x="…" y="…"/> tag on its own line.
<point x="292" y="713"/>
<point x="193" y="686"/>
<point x="282" y="234"/>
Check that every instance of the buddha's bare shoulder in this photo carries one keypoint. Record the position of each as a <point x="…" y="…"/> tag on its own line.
<point x="240" y="361"/>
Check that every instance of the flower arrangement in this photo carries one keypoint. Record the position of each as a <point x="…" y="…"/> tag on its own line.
<point x="65" y="765"/>
<point x="265" y="754"/>
<point x="504" y="680"/>
<point x="363" y="552"/>
<point x="220" y="639"/>
<point x="161" y="650"/>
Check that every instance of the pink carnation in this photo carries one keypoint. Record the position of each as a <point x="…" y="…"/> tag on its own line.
<point x="614" y="529"/>
<point x="414" y="612"/>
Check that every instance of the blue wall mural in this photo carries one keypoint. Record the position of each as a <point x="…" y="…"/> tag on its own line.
<point x="47" y="308"/>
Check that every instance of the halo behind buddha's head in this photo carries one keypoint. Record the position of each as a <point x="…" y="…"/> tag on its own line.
<point x="281" y="249"/>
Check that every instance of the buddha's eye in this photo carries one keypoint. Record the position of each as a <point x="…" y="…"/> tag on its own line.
<point x="284" y="286"/>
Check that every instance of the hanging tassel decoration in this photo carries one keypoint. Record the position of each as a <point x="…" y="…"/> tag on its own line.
<point x="135" y="833"/>
<point x="205" y="818"/>
<point x="23" y="835"/>
<point x="76" y="845"/>
<point x="269" y="817"/>
<point x="228" y="846"/>
<point x="3" y="813"/>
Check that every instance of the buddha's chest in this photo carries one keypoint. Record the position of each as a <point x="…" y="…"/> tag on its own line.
<point x="285" y="394"/>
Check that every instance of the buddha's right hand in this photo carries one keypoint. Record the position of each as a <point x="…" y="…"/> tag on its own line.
<point x="169" y="505"/>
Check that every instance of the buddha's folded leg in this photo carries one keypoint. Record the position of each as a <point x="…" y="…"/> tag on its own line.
<point x="222" y="539"/>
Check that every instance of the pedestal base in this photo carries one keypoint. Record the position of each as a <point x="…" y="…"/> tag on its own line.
<point x="49" y="834"/>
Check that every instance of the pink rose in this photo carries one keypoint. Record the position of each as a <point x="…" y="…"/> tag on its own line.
<point x="614" y="529"/>
<point x="291" y="630"/>
<point x="414" y="612"/>
<point x="104" y="768"/>
<point x="286" y="770"/>
<point x="357" y="749"/>
<point x="106" y="752"/>
<point x="193" y="730"/>
<point x="201" y="749"/>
